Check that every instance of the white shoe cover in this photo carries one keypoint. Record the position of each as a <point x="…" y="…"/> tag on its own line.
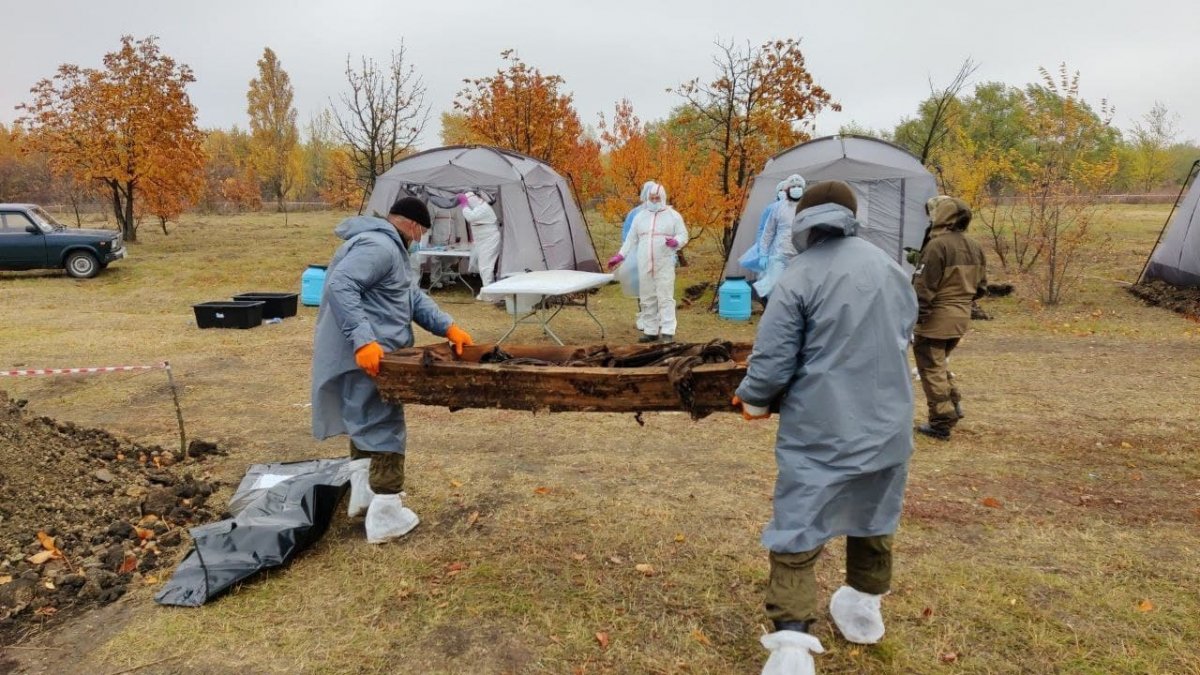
<point x="360" y="487"/>
<point x="791" y="653"/>
<point x="388" y="519"/>
<point x="857" y="615"/>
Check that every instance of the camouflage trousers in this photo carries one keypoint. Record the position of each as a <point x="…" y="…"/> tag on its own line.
<point x="940" y="393"/>
<point x="792" y="587"/>
<point x="387" y="470"/>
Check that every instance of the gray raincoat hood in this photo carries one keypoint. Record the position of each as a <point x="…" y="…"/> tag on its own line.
<point x="370" y="295"/>
<point x="833" y="219"/>
<point x="832" y="351"/>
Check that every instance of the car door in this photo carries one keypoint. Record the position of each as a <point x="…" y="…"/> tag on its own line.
<point x="19" y="248"/>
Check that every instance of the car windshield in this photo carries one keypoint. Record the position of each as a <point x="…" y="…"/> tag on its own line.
<point x="46" y="219"/>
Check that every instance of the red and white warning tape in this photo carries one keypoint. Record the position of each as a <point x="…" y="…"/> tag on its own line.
<point x="73" y="371"/>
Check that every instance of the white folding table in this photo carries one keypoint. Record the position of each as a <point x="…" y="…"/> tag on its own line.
<point x="455" y="254"/>
<point x="554" y="286"/>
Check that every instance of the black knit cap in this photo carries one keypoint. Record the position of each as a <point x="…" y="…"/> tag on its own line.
<point x="413" y="209"/>
<point x="829" y="192"/>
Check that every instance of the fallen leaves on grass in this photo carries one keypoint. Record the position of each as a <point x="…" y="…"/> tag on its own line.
<point x="455" y="484"/>
<point x="949" y="657"/>
<point x="927" y="613"/>
<point x="455" y="567"/>
<point x="473" y="518"/>
<point x="578" y="557"/>
<point x="5" y="579"/>
<point x="48" y="610"/>
<point x="992" y="503"/>
<point x="1145" y="606"/>
<point x="645" y="568"/>
<point x="543" y="490"/>
<point x="602" y="639"/>
<point x="129" y="564"/>
<point x="679" y="538"/>
<point x="699" y="636"/>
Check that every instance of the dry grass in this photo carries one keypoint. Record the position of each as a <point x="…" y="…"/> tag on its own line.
<point x="1081" y="424"/>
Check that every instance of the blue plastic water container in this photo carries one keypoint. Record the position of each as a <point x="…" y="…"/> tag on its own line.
<point x="733" y="299"/>
<point x="312" y="283"/>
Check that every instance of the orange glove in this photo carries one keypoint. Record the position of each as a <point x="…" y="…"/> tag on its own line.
<point x="459" y="338"/>
<point x="368" y="356"/>
<point x="751" y="412"/>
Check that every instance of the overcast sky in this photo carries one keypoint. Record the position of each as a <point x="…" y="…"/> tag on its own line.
<point x="875" y="57"/>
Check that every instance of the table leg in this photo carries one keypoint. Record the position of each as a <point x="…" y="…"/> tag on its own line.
<point x="588" y="309"/>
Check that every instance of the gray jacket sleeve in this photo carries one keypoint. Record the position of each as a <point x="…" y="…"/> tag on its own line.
<point x="428" y="315"/>
<point x="362" y="267"/>
<point x="777" y="349"/>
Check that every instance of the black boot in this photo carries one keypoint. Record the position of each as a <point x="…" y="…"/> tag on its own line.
<point x="646" y="337"/>
<point x="934" y="432"/>
<point x="666" y="337"/>
<point x="798" y="626"/>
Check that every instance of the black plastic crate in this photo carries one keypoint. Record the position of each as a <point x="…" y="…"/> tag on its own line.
<point x="229" y="314"/>
<point x="275" y="305"/>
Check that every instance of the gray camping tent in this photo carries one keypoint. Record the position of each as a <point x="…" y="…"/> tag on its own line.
<point x="1176" y="258"/>
<point x="542" y="226"/>
<point x="891" y="185"/>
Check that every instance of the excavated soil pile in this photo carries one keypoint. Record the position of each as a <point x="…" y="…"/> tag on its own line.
<point x="1186" y="301"/>
<point x="84" y="514"/>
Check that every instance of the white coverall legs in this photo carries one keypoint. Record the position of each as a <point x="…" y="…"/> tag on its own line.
<point x="657" y="294"/>
<point x="487" y="252"/>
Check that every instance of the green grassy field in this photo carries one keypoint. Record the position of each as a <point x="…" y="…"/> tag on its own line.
<point x="1080" y="436"/>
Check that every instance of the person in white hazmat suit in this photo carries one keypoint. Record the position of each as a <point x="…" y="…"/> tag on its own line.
<point x="368" y="306"/>
<point x="831" y="353"/>
<point x="752" y="259"/>
<point x="775" y="245"/>
<point x="626" y="225"/>
<point x="485" y="230"/>
<point x="654" y="237"/>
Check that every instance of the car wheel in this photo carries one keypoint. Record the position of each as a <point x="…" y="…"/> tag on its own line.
<point x="82" y="265"/>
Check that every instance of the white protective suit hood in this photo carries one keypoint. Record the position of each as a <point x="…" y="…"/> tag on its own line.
<point x="793" y="181"/>
<point x="654" y="188"/>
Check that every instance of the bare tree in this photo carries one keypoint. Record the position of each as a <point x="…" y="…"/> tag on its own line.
<point x="384" y="112"/>
<point x="926" y="132"/>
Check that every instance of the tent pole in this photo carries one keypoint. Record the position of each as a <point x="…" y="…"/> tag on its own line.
<point x="586" y="226"/>
<point x="1191" y="173"/>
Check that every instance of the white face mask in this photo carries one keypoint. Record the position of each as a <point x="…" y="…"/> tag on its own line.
<point x="795" y="193"/>
<point x="654" y="206"/>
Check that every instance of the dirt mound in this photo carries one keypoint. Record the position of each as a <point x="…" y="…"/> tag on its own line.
<point x="1186" y="301"/>
<point x="84" y="514"/>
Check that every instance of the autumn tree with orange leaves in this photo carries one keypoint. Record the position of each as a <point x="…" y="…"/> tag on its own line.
<point x="762" y="100"/>
<point x="126" y="126"/>
<point x="637" y="152"/>
<point x="521" y="109"/>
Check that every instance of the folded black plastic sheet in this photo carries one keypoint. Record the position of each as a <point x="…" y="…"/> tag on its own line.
<point x="279" y="510"/>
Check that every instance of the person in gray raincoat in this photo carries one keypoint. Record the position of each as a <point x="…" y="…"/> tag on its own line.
<point x="368" y="306"/>
<point x="831" y="352"/>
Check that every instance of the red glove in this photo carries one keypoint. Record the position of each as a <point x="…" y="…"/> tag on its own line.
<point x="672" y="242"/>
<point x="615" y="260"/>
<point x="368" y="356"/>
<point x="751" y="412"/>
<point x="459" y="338"/>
